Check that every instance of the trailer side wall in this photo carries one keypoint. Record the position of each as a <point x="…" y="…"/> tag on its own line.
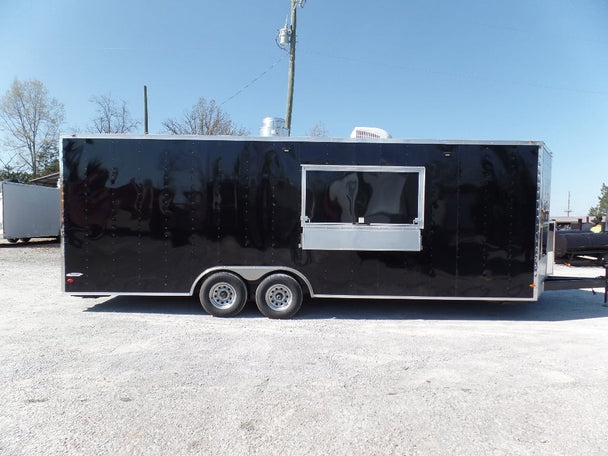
<point x="149" y="215"/>
<point x="29" y="211"/>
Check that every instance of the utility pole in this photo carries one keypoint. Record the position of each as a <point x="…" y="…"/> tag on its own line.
<point x="146" y="110"/>
<point x="292" y="61"/>
<point x="568" y="211"/>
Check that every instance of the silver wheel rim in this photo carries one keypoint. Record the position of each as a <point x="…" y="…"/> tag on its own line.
<point x="222" y="295"/>
<point x="279" y="297"/>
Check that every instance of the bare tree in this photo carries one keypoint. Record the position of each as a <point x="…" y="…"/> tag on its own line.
<point x="112" y="116"/>
<point x="318" y="129"/>
<point x="205" y="118"/>
<point x="31" y="120"/>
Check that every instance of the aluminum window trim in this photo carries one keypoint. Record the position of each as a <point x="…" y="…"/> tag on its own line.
<point x="420" y="170"/>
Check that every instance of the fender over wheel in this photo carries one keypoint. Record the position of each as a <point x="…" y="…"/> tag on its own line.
<point x="279" y="296"/>
<point x="223" y="294"/>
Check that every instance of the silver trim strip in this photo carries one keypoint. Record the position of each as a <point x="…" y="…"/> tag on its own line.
<point x="312" y="295"/>
<point x="121" y="293"/>
<point x="425" y="298"/>
<point x="252" y="273"/>
<point x="285" y="139"/>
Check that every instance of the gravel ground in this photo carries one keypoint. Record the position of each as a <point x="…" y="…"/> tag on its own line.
<point x="156" y="376"/>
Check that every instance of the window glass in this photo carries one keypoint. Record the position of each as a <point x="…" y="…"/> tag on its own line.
<point x="361" y="197"/>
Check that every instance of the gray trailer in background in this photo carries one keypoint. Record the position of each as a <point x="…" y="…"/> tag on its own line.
<point x="29" y="211"/>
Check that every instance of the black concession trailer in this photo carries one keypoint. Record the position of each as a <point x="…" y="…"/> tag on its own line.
<point x="278" y="219"/>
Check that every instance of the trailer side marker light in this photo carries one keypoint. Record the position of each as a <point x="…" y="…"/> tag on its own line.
<point x="532" y="285"/>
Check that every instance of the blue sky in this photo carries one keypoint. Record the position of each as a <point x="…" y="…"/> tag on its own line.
<point x="426" y="69"/>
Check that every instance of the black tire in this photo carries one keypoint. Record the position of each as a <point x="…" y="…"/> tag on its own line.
<point x="279" y="296"/>
<point x="12" y="240"/>
<point x="223" y="294"/>
<point x="25" y="240"/>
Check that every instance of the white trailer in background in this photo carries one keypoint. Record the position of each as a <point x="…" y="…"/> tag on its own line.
<point x="29" y="211"/>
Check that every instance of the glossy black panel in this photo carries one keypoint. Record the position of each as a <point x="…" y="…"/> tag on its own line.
<point x="149" y="215"/>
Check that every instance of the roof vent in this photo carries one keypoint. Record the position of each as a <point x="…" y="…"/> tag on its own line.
<point x="273" y="126"/>
<point x="369" y="133"/>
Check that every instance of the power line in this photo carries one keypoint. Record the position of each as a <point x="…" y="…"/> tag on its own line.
<point x="253" y="81"/>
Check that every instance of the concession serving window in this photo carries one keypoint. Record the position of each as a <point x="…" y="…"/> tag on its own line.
<point x="362" y="207"/>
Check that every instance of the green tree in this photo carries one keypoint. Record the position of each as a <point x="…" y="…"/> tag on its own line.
<point x="204" y="118"/>
<point x="9" y="172"/>
<point x="31" y="120"/>
<point x="602" y="204"/>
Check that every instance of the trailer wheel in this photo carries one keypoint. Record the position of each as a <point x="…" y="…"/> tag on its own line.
<point x="12" y="240"/>
<point x="223" y="294"/>
<point x="279" y="296"/>
<point x="25" y="240"/>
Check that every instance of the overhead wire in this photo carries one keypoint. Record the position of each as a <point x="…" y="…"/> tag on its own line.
<point x="253" y="81"/>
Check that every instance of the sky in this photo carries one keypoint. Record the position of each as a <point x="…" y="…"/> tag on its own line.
<point x="420" y="69"/>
